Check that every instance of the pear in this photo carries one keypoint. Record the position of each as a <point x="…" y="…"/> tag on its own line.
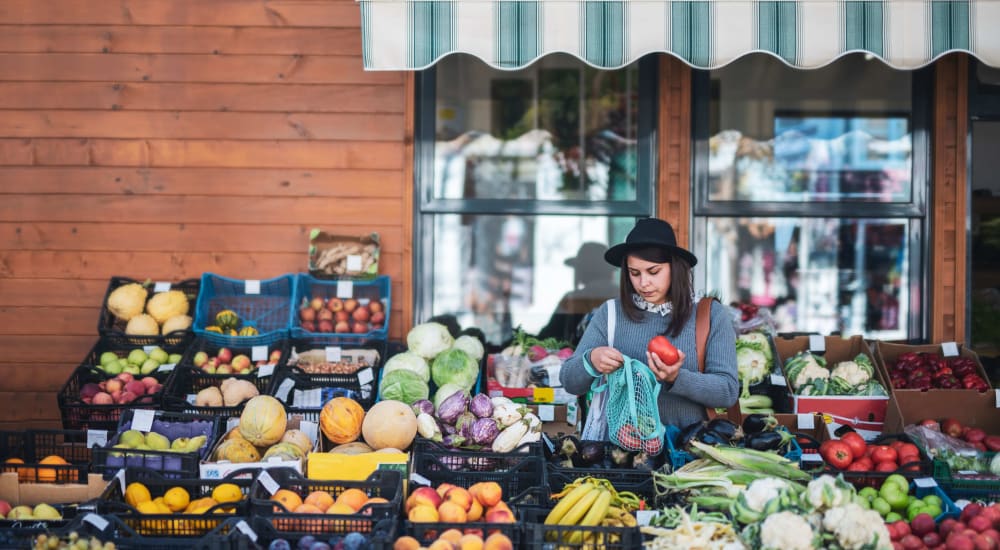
<point x="159" y="355"/>
<point x="196" y="443"/>
<point x="149" y="366"/>
<point x="130" y="439"/>
<point x="174" y="358"/>
<point x="44" y="511"/>
<point x="20" y="512"/>
<point x="137" y="357"/>
<point x="108" y="357"/>
<point x="132" y="369"/>
<point x="157" y="442"/>
<point x="113" y="368"/>
<point x="180" y="444"/>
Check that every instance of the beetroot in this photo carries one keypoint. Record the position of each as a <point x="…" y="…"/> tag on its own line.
<point x="970" y="511"/>
<point x="922" y="524"/>
<point x="980" y="523"/>
<point x="911" y="542"/>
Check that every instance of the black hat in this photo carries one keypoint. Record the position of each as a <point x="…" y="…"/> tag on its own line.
<point x="649" y="233"/>
<point x="590" y="253"/>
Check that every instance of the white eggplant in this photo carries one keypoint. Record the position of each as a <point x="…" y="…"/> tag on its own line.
<point x="499" y="401"/>
<point x="534" y="423"/>
<point x="508" y="439"/>
<point x="506" y="415"/>
<point x="428" y="427"/>
<point x="530" y="437"/>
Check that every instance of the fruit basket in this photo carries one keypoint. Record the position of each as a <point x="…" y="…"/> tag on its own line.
<point x="332" y="309"/>
<point x="445" y="509"/>
<point x="46" y="456"/>
<point x="516" y="472"/>
<point x="113" y="329"/>
<point x="183" y="440"/>
<point x="231" y="534"/>
<point x="20" y="533"/>
<point x="243" y="313"/>
<point x="538" y="535"/>
<point x="381" y="537"/>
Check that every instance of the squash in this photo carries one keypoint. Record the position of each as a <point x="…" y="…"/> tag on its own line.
<point x="247" y="331"/>
<point x="227" y="319"/>
<point x="237" y="390"/>
<point x="164" y="305"/>
<point x="142" y="325"/>
<point x="284" y="451"/>
<point x="299" y="439"/>
<point x="263" y="421"/>
<point x="127" y="301"/>
<point x="356" y="448"/>
<point x="390" y="424"/>
<point x="237" y="450"/>
<point x="341" y="419"/>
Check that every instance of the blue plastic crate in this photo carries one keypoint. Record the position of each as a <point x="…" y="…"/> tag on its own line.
<point x="308" y="287"/>
<point x="948" y="507"/>
<point x="680" y="457"/>
<point x="268" y="311"/>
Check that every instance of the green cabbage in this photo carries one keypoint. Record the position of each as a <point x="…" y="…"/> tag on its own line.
<point x="455" y="367"/>
<point x="408" y="361"/>
<point x="403" y="385"/>
<point x="470" y="345"/>
<point x="429" y="339"/>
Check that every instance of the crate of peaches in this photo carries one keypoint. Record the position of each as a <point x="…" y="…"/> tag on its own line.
<point x="478" y="509"/>
<point x="356" y="309"/>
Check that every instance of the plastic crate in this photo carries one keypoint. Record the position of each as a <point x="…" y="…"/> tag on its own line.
<point x="387" y="484"/>
<point x="78" y="415"/>
<point x="172" y="464"/>
<point x="948" y="507"/>
<point x="634" y="480"/>
<point x="113" y="328"/>
<point x="227" y="536"/>
<point x="959" y="487"/>
<point x="427" y="532"/>
<point x="680" y="457"/>
<point x="31" y="446"/>
<point x="21" y="533"/>
<point x="347" y="349"/>
<point x="382" y="536"/>
<point x="541" y="536"/>
<point x="267" y="311"/>
<point x="308" y="287"/>
<point x="517" y="472"/>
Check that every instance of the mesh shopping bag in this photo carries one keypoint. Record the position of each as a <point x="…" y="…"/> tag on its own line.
<point x="632" y="408"/>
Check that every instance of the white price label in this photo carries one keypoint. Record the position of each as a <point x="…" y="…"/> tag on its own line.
<point x="353" y="262"/>
<point x="252" y="286"/>
<point x="925" y="482"/>
<point x="142" y="419"/>
<point x="232" y="424"/>
<point x="97" y="437"/>
<point x="161" y="286"/>
<point x="643" y="517"/>
<point x="308" y="399"/>
<point x="949" y="349"/>
<point x="283" y="390"/>
<point x="546" y="413"/>
<point x="817" y="343"/>
<point x="265" y="370"/>
<point x="778" y="380"/>
<point x="258" y="353"/>
<point x="997" y="398"/>
<point x="967" y="472"/>
<point x="333" y="354"/>
<point x="96" y="521"/>
<point x="148" y="349"/>
<point x="191" y="398"/>
<point x="311" y="429"/>
<point x="268" y="482"/>
<point x="811" y="457"/>
<point x="345" y="289"/>
<point x="120" y="476"/>
<point x="246" y="530"/>
<point x="365" y="376"/>
<point x="166" y="367"/>
<point x="420" y="480"/>
<point x="805" y="421"/>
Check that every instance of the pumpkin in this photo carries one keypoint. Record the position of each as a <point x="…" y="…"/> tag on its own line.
<point x="237" y="450"/>
<point x="299" y="439"/>
<point x="356" y="448"/>
<point x="227" y="319"/>
<point x="390" y="424"/>
<point x="263" y="421"/>
<point x="341" y="419"/>
<point x="213" y="328"/>
<point x="284" y="451"/>
<point x="247" y="331"/>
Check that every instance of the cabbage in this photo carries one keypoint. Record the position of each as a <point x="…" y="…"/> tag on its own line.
<point x="455" y="367"/>
<point x="429" y="339"/>
<point x="403" y="385"/>
<point x="408" y="361"/>
<point x="470" y="345"/>
<point x="446" y="391"/>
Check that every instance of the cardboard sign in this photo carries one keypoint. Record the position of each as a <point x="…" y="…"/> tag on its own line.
<point x="142" y="419"/>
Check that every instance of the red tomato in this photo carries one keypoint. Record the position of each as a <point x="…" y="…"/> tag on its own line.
<point x="858" y="466"/>
<point x="628" y="436"/>
<point x="865" y="462"/>
<point x="652" y="446"/>
<point x="887" y="466"/>
<point x="663" y="349"/>
<point x="908" y="449"/>
<point x="896" y="445"/>
<point x="884" y="453"/>
<point x="836" y="454"/>
<point x="908" y="458"/>
<point x="856" y="443"/>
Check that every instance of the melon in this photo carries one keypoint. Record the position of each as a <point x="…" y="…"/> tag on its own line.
<point x="237" y="450"/>
<point x="341" y="419"/>
<point x="355" y="448"/>
<point x="263" y="421"/>
<point x="284" y="451"/>
<point x="299" y="439"/>
<point x="390" y="424"/>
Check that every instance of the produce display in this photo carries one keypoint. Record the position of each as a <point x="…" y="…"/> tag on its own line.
<point x="72" y="542"/>
<point x="121" y="389"/>
<point x="591" y="502"/>
<point x="136" y="362"/>
<point x="315" y="361"/>
<point x="432" y="356"/>
<point x="23" y="512"/>
<point x="228" y="323"/>
<point x="341" y="315"/>
<point x="224" y="361"/>
<point x="447" y="503"/>
<point x="453" y="538"/>
<point x="852" y="453"/>
<point x="163" y="313"/>
<point x="924" y="371"/>
<point x="809" y="374"/>
<point x="479" y="422"/>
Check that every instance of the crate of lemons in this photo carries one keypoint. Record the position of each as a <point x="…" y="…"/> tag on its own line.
<point x="189" y="508"/>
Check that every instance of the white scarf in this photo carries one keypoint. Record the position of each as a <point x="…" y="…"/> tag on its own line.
<point x="663" y="309"/>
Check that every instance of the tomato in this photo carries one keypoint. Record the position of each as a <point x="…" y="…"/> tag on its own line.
<point x="887" y="466"/>
<point x="856" y="443"/>
<point x="897" y="444"/>
<point x="628" y="437"/>
<point x="908" y="449"/>
<point x="884" y="453"/>
<point x="858" y="466"/>
<point x="836" y="454"/>
<point x="662" y="348"/>
<point x="865" y="462"/>
<point x="652" y="446"/>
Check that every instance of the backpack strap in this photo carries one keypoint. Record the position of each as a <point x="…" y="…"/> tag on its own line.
<point x="702" y="325"/>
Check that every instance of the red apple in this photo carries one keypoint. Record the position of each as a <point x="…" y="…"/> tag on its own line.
<point x="350" y="305"/>
<point x="103" y="398"/>
<point x="309" y="326"/>
<point x="325" y="326"/>
<point x="212" y="363"/>
<point x="114" y="385"/>
<point x="361" y="315"/>
<point x="951" y="427"/>
<point x="342" y="326"/>
<point x="375" y="306"/>
<point x="378" y="318"/>
<point x="307" y="314"/>
<point x="342" y="315"/>
<point x="325" y="315"/>
<point x="275" y="356"/>
<point x="200" y="358"/>
<point x="241" y="362"/>
<point x="224" y="368"/>
<point x="225" y="355"/>
<point x="316" y="303"/>
<point x="335" y="304"/>
<point x="360" y="328"/>
<point x="4" y="508"/>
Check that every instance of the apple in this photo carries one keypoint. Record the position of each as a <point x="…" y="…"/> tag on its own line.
<point x="20" y="512"/>
<point x="224" y="368"/>
<point x="200" y="358"/>
<point x="335" y="304"/>
<point x="275" y="356"/>
<point x="103" y="398"/>
<point x="307" y="313"/>
<point x="376" y="306"/>
<point x="316" y="303"/>
<point x="127" y="397"/>
<point x="125" y="377"/>
<point x="325" y="326"/>
<point x="241" y="362"/>
<point x="4" y="508"/>
<point x="309" y="326"/>
<point x="114" y="385"/>
<point x="325" y="315"/>
<point x="360" y="328"/>
<point x="212" y="363"/>
<point x="350" y="305"/>
<point x="209" y="369"/>
<point x="361" y="315"/>
<point x="342" y="315"/>
<point x="377" y="318"/>
<point x="225" y="355"/>
<point x="342" y="326"/>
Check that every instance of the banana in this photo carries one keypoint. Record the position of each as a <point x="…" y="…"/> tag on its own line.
<point x="567" y="502"/>
<point x="580" y="509"/>
<point x="598" y="510"/>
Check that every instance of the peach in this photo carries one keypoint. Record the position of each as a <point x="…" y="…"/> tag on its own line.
<point x="114" y="385"/>
<point x="355" y="498"/>
<point x="406" y="543"/>
<point x="459" y="496"/>
<point x="488" y="493"/>
<point x="443" y="488"/>
<point x="375" y="306"/>
<point x="125" y="377"/>
<point x="475" y="512"/>
<point x="102" y="398"/>
<point x="440" y="544"/>
<point x="359" y="328"/>
<point x="307" y="509"/>
<point x="474" y="531"/>
<point x="335" y="304"/>
<point x="496" y="515"/>
<point x="340" y="508"/>
<point x="470" y="542"/>
<point x="450" y="512"/>
<point x="451" y="535"/>
<point x="423" y="495"/>
<point x="498" y="541"/>
<point x="350" y="305"/>
<point x="341" y="316"/>
<point x="289" y="499"/>
<point x="241" y="362"/>
<point x="319" y="499"/>
<point x="423" y="513"/>
<point x="149" y="382"/>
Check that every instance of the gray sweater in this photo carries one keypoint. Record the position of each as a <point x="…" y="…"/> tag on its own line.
<point x="682" y="402"/>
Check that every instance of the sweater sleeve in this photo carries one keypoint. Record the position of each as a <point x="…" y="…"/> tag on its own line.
<point x="573" y="375"/>
<point x="718" y="386"/>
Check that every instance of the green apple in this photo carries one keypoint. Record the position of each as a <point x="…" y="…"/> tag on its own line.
<point x="132" y="369"/>
<point x="881" y="506"/>
<point x="108" y="357"/>
<point x="113" y="368"/>
<point x="892" y="517"/>
<point x="137" y="357"/>
<point x="44" y="511"/>
<point x="933" y="510"/>
<point x="159" y="355"/>
<point x="157" y="442"/>
<point x="174" y="358"/>
<point x="870" y="493"/>
<point x="932" y="500"/>
<point x="863" y="502"/>
<point x="896" y="497"/>
<point x="149" y="366"/>
<point x="123" y="362"/>
<point x="899" y="481"/>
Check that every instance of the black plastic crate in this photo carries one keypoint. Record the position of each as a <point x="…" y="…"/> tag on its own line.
<point x="427" y="533"/>
<point x="267" y="311"/>
<point x="181" y="393"/>
<point x="32" y="446"/>
<point x="517" y="472"/>
<point x="911" y="470"/>
<point x="541" y="536"/>
<point x="172" y="464"/>
<point x="358" y="380"/>
<point x="79" y="415"/>
<point x="20" y="533"/>
<point x="633" y="480"/>
<point x="113" y="328"/>
<point x="387" y="484"/>
<point x="227" y="536"/>
<point x="382" y="536"/>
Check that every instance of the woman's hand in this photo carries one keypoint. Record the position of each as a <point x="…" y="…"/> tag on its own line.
<point x="663" y="371"/>
<point x="606" y="360"/>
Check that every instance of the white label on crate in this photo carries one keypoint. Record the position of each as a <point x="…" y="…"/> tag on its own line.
<point x="232" y="424"/>
<point x="286" y="386"/>
<point x="546" y="413"/>
<point x="120" y="476"/>
<point x="97" y="437"/>
<point x="365" y="376"/>
<point x="778" y="380"/>
<point x="258" y="353"/>
<point x="551" y="445"/>
<point x="268" y="482"/>
<point x="967" y="472"/>
<point x="161" y="286"/>
<point x="311" y="429"/>
<point x="812" y="457"/>
<point x="805" y="421"/>
<point x="148" y="349"/>
<point x="925" y="482"/>
<point x="345" y="289"/>
<point x="419" y="479"/>
<point x="142" y="419"/>
<point x="353" y="262"/>
<point x="265" y="370"/>
<point x="308" y="399"/>
<point x="949" y="349"/>
<point x="246" y="530"/>
<point x="252" y="286"/>
<point x="643" y="517"/>
<point x="191" y="398"/>
<point x="817" y="344"/>
<point x="997" y="398"/>
<point x="96" y="521"/>
<point x="166" y="367"/>
<point x="333" y="354"/>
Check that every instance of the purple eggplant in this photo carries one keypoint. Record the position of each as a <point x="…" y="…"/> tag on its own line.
<point x="453" y="441"/>
<point x="423" y="406"/>
<point x="481" y="406"/>
<point x="484" y="431"/>
<point x="447" y="429"/>
<point x="454" y="405"/>
<point x="464" y="424"/>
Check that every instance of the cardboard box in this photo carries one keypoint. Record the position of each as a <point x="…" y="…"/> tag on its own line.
<point x="558" y="419"/>
<point x="219" y="470"/>
<point x="969" y="407"/>
<point x="17" y="493"/>
<point x="557" y="396"/>
<point x="343" y="256"/>
<point x="354" y="467"/>
<point x="866" y="414"/>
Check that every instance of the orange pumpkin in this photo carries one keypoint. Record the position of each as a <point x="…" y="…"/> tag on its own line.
<point x="49" y="475"/>
<point x="341" y="420"/>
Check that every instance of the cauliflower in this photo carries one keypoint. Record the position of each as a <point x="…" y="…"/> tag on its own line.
<point x="762" y="497"/>
<point x="751" y="365"/>
<point x="805" y="367"/>
<point x="164" y="305"/>
<point x="827" y="492"/>
<point x="127" y="301"/>
<point x="850" y="372"/>
<point x="857" y="528"/>
<point x="786" y="531"/>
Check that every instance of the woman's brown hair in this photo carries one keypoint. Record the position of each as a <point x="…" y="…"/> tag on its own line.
<point x="679" y="293"/>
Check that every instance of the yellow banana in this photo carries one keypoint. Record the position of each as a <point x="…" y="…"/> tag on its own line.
<point x="567" y="502"/>
<point x="598" y="509"/>
<point x="582" y="507"/>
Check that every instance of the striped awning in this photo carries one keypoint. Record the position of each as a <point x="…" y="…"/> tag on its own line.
<point x="511" y="34"/>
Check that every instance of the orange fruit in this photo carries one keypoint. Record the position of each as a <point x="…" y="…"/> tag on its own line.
<point x="340" y="508"/>
<point x="48" y="475"/>
<point x="176" y="498"/>
<point x="355" y="498"/>
<point x="319" y="499"/>
<point x="288" y="499"/>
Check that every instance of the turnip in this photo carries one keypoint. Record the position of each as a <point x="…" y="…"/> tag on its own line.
<point x="911" y="542"/>
<point x="932" y="539"/>
<point x="980" y="523"/>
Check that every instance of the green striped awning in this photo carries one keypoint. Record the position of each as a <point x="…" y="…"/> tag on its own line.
<point x="510" y="34"/>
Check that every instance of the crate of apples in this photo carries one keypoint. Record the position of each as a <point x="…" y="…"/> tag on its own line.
<point x="342" y="315"/>
<point x="225" y="362"/>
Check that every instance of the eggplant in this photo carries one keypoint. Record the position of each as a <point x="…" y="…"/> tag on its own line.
<point x="725" y="428"/>
<point x="484" y="431"/>
<point x="423" y="406"/>
<point x="643" y="461"/>
<point x="456" y="404"/>
<point x="591" y="453"/>
<point x="688" y="433"/>
<point x="708" y="437"/>
<point x="464" y="424"/>
<point x="567" y="447"/>
<point x="620" y="458"/>
<point x="481" y="406"/>
<point x="767" y="441"/>
<point x="756" y="423"/>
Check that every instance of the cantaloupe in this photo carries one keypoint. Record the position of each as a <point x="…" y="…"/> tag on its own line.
<point x="341" y="419"/>
<point x="263" y="421"/>
<point x="390" y="424"/>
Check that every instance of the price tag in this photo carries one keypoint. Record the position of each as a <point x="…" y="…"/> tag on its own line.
<point x="967" y="472"/>
<point x="265" y="370"/>
<point x="419" y="479"/>
<point x="811" y="457"/>
<point x="333" y="354"/>
<point x="365" y="376"/>
<point x="258" y="353"/>
<point x="546" y="413"/>
<point x="252" y="286"/>
<point x="232" y="424"/>
<point x="997" y="398"/>
<point x="353" y="262"/>
<point x="308" y="399"/>
<point x="246" y="530"/>
<point x="925" y="482"/>
<point x="97" y="437"/>
<point x="286" y="386"/>
<point x="643" y="517"/>
<point x="191" y="398"/>
<point x="817" y="343"/>
<point x="142" y="419"/>
<point x="345" y="289"/>
<point x="120" y="476"/>
<point x="543" y="395"/>
<point x="161" y="286"/>
<point x="148" y="349"/>
<point x="778" y="380"/>
<point x="311" y="429"/>
<point x="805" y="421"/>
<point x="166" y="367"/>
<point x="268" y="482"/>
<point x="949" y="349"/>
<point x="96" y="521"/>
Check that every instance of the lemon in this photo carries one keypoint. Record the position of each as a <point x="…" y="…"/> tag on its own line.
<point x="136" y="493"/>
<point x="227" y="492"/>
<point x="176" y="498"/>
<point x="148" y="507"/>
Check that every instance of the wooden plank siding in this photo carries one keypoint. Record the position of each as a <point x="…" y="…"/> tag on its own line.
<point x="674" y="171"/>
<point x="165" y="138"/>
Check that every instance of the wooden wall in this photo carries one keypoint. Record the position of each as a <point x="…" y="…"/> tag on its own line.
<point x="674" y="154"/>
<point x="165" y="138"/>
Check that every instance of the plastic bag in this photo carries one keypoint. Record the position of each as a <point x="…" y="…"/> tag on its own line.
<point x="633" y="412"/>
<point x="751" y="318"/>
<point x="595" y="428"/>
<point x="959" y="455"/>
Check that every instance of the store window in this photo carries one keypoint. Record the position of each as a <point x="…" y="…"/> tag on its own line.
<point x="516" y="172"/>
<point x="810" y="193"/>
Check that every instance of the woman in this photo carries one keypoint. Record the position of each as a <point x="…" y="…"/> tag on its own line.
<point x="656" y="297"/>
